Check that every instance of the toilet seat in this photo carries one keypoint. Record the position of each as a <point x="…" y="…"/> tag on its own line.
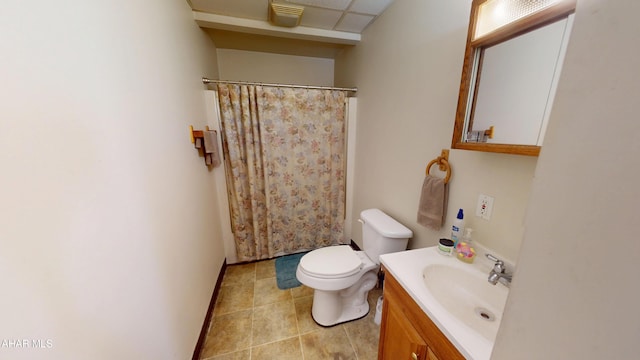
<point x="331" y="262"/>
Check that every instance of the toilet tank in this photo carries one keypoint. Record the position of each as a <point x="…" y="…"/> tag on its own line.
<point x="382" y="234"/>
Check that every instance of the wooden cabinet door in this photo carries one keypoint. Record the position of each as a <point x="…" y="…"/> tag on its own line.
<point x="401" y="340"/>
<point x="431" y="355"/>
<point x="406" y="332"/>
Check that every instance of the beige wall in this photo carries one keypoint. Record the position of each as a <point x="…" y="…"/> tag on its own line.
<point x="274" y="68"/>
<point x="575" y="293"/>
<point x="407" y="70"/>
<point x="108" y="229"/>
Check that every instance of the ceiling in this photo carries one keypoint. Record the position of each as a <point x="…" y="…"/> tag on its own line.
<point x="326" y="26"/>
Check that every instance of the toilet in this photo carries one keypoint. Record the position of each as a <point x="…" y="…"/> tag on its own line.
<point x="342" y="277"/>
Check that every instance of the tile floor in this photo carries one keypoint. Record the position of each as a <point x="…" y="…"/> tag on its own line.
<point x="253" y="319"/>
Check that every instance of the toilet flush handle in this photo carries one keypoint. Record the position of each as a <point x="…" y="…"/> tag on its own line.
<point x="361" y="221"/>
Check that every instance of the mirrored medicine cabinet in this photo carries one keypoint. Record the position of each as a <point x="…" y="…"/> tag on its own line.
<point x="513" y="59"/>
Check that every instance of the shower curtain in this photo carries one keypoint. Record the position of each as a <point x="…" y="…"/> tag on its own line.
<point x="285" y="166"/>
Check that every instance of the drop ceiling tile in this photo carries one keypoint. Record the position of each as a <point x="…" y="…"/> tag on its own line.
<point x="320" y="18"/>
<point x="354" y="22"/>
<point x="329" y="4"/>
<point x="250" y="9"/>
<point x="373" y="7"/>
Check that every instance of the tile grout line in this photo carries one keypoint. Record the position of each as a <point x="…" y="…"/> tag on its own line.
<point x="350" y="342"/>
<point x="296" y="318"/>
<point x="293" y="300"/>
<point x="300" y="344"/>
<point x="276" y="341"/>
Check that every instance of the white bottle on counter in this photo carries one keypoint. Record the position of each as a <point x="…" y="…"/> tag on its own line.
<point x="457" y="229"/>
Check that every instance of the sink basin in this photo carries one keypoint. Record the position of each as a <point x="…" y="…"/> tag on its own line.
<point x="467" y="295"/>
<point x="454" y="295"/>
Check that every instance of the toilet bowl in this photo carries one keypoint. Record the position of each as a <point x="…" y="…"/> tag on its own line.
<point x="342" y="277"/>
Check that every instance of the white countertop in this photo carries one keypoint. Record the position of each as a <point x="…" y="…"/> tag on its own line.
<point x="407" y="268"/>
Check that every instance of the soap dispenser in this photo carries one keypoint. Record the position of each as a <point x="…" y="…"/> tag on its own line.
<point x="464" y="250"/>
<point x="467" y="237"/>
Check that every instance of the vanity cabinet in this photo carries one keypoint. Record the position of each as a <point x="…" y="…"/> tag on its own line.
<point x="406" y="332"/>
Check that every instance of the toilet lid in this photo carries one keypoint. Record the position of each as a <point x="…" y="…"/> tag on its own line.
<point x="331" y="262"/>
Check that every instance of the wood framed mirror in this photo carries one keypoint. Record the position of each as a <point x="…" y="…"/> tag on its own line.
<point x="513" y="59"/>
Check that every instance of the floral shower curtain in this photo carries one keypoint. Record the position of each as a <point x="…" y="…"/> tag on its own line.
<point x="285" y="165"/>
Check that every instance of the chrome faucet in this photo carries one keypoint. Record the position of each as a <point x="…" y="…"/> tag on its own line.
<point x="498" y="273"/>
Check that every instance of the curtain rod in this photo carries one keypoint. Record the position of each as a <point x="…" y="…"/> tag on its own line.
<point x="210" y="81"/>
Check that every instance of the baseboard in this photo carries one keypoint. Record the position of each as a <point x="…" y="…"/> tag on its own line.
<point x="207" y="318"/>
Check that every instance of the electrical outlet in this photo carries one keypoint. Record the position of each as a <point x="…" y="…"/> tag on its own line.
<point x="485" y="207"/>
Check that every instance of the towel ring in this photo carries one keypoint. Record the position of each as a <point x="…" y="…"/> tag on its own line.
<point x="440" y="160"/>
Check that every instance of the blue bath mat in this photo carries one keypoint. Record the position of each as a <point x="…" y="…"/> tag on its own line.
<point x="286" y="271"/>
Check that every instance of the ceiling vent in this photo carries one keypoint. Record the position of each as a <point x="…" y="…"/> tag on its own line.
<point x="285" y="15"/>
